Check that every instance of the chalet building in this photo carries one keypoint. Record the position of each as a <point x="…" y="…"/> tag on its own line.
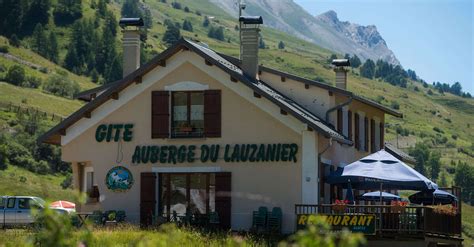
<point x="196" y="130"/>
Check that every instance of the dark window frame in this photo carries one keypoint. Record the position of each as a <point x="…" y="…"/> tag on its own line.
<point x="188" y="102"/>
<point x="8" y="202"/>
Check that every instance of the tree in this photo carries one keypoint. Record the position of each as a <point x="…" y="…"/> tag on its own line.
<point x="456" y="89"/>
<point x="464" y="177"/>
<point x="332" y="57"/>
<point x="14" y="41"/>
<point x="368" y="69"/>
<point x="102" y="8"/>
<point x="147" y="18"/>
<point x="216" y="33"/>
<point x="187" y="26"/>
<point x="67" y="11"/>
<point x="40" y="44"/>
<point x="130" y="9"/>
<point x="53" y="48"/>
<point x="176" y="5"/>
<point x="261" y="43"/>
<point x="186" y="9"/>
<point x="421" y="153"/>
<point x="16" y="75"/>
<point x="355" y="61"/>
<point x="114" y="71"/>
<point x="38" y="12"/>
<point x="172" y="35"/>
<point x="94" y="75"/>
<point x="71" y="62"/>
<point x="3" y="157"/>
<point x="281" y="45"/>
<point x="11" y="16"/>
<point x="60" y="84"/>
<point x="435" y="164"/>
<point x="206" y="22"/>
<point x="442" y="179"/>
<point x="347" y="56"/>
<point x="111" y="23"/>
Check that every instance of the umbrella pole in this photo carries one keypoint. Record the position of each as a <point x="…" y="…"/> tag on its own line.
<point x="380" y="227"/>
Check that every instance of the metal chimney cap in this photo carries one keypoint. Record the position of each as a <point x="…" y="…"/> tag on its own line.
<point x="251" y="19"/>
<point x="126" y="22"/>
<point x="341" y="62"/>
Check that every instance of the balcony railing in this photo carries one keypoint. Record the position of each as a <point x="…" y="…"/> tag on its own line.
<point x="411" y="220"/>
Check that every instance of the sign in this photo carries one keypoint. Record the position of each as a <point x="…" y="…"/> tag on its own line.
<point x="363" y="223"/>
<point x="172" y="154"/>
<point x="114" y="132"/>
<point x="119" y="179"/>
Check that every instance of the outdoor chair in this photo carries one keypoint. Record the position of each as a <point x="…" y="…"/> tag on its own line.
<point x="274" y="220"/>
<point x="120" y="216"/>
<point x="97" y="217"/>
<point x="259" y="219"/>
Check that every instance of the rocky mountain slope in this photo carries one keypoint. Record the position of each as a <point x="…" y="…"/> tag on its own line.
<point x="325" y="30"/>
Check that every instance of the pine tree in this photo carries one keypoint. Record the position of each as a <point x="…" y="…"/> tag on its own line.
<point x="187" y="26"/>
<point x="11" y="16"/>
<point x="94" y="75"/>
<point x="172" y="35"/>
<point x="355" y="61"/>
<point x="281" y="45"/>
<point x="130" y="9"/>
<point x="53" y="51"/>
<point x="435" y="164"/>
<point x="368" y="69"/>
<point x="102" y="8"/>
<point x="38" y="12"/>
<point x="67" y="11"/>
<point x="206" y="22"/>
<point x="14" y="41"/>
<point x="114" y="71"/>
<point x="71" y="62"/>
<point x="147" y="18"/>
<point x="111" y="22"/>
<point x="40" y="44"/>
<point x="261" y="43"/>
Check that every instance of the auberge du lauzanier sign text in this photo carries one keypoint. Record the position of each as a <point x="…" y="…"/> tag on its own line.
<point x="172" y="154"/>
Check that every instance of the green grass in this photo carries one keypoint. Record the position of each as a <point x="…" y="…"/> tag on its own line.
<point x="45" y="186"/>
<point x="37" y="99"/>
<point x="468" y="224"/>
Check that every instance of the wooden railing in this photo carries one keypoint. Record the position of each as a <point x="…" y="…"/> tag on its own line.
<point x="412" y="220"/>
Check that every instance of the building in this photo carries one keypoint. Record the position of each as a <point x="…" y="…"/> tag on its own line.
<point x="197" y="130"/>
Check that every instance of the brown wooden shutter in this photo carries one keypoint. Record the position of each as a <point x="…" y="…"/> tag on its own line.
<point x="160" y="114"/>
<point x="372" y="136"/>
<point x="366" y="134"/>
<point x="212" y="113"/>
<point x="147" y="198"/>
<point x="382" y="133"/>
<point x="349" y="125"/>
<point x="223" y="198"/>
<point x="356" y="130"/>
<point x="339" y="120"/>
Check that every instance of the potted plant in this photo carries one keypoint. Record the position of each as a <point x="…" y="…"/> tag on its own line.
<point x="445" y="210"/>
<point x="340" y="206"/>
<point x="186" y="128"/>
<point x="398" y="206"/>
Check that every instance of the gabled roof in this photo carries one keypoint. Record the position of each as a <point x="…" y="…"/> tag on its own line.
<point x="259" y="87"/>
<point x="331" y="88"/>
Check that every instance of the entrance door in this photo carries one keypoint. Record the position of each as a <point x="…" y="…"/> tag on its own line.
<point x="147" y="198"/>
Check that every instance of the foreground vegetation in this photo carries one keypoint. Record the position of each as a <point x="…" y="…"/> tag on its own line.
<point x="57" y="230"/>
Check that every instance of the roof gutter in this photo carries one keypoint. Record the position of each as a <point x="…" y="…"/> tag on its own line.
<point x="337" y="107"/>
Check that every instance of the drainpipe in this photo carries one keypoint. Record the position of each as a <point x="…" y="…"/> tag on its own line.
<point x="338" y="107"/>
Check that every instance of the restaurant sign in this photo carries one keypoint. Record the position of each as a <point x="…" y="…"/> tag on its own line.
<point x="363" y="223"/>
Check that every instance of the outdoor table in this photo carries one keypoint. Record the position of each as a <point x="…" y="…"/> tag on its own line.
<point x="83" y="217"/>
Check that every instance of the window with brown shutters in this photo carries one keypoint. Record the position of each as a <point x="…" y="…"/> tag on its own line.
<point x="339" y="120"/>
<point x="382" y="132"/>
<point x="366" y="134"/>
<point x="349" y="124"/>
<point x="212" y="113"/>
<point x="372" y="136"/>
<point x="356" y="131"/>
<point x="160" y="115"/>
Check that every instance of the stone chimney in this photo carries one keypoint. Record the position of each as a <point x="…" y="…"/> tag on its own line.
<point x="249" y="30"/>
<point x="341" y="72"/>
<point x="131" y="44"/>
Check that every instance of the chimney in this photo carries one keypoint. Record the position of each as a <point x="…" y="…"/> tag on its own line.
<point x="131" y="44"/>
<point x="341" y="72"/>
<point x="249" y="29"/>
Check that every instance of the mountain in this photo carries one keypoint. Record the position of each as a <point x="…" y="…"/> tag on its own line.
<point x="325" y="30"/>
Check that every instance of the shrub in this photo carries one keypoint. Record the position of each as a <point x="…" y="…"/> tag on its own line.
<point x="430" y="92"/>
<point x="43" y="70"/>
<point x="14" y="41"/>
<point x="61" y="85"/>
<point x="67" y="182"/>
<point x="15" y="75"/>
<point x="3" y="157"/>
<point x="2" y="68"/>
<point x="23" y="179"/>
<point x="32" y="82"/>
<point x="454" y="136"/>
<point x="395" y="105"/>
<point x="438" y="130"/>
<point x="4" y="49"/>
<point x="176" y="5"/>
<point x="186" y="9"/>
<point x="41" y="167"/>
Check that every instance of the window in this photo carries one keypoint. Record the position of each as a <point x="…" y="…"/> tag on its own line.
<point x="2" y="202"/>
<point x="11" y="203"/>
<point x="23" y="203"/>
<point x="187" y="114"/>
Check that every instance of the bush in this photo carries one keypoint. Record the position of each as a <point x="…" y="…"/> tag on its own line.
<point x="41" y="167"/>
<point x="176" y="5"/>
<point x="15" y="75"/>
<point x="186" y="9"/>
<point x="438" y="130"/>
<point x="61" y="85"/>
<point x="67" y="182"/>
<point x="14" y="41"/>
<point x="395" y="105"/>
<point x="32" y="82"/>
<point x="3" y="157"/>
<point x="4" y="49"/>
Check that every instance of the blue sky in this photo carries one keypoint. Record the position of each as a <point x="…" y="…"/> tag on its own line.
<point x="433" y="37"/>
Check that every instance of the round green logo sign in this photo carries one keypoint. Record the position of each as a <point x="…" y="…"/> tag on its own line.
<point x="119" y="178"/>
